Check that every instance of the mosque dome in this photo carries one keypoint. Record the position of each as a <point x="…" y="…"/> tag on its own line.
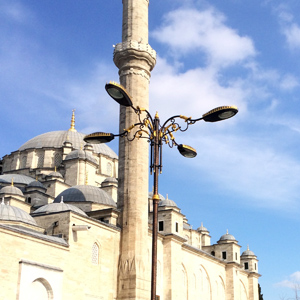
<point x="82" y="193"/>
<point x="110" y="180"/>
<point x="58" y="207"/>
<point x="56" y="139"/>
<point x="17" y="178"/>
<point x="248" y="252"/>
<point x="78" y="153"/>
<point x="55" y="174"/>
<point x="12" y="213"/>
<point x="202" y="228"/>
<point x="11" y="190"/>
<point x="167" y="202"/>
<point x="36" y="184"/>
<point x="227" y="237"/>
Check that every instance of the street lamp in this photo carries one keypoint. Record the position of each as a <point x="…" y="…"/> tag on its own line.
<point x="150" y="128"/>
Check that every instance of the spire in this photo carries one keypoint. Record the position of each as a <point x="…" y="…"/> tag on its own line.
<point x="72" y="128"/>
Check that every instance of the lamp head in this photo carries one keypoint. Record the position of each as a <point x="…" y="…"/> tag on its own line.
<point x="220" y="113"/>
<point x="99" y="138"/>
<point x="187" y="151"/>
<point x="118" y="93"/>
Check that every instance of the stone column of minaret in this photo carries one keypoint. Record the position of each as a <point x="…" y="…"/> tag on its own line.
<point x="135" y="59"/>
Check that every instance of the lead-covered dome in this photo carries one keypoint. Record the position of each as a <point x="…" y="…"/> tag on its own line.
<point x="12" y="213"/>
<point x="11" y="190"/>
<point x="167" y="202"/>
<point x="17" y="178"/>
<point x="227" y="237"/>
<point x="78" y="153"/>
<point x="82" y="193"/>
<point x="248" y="252"/>
<point x="56" y="139"/>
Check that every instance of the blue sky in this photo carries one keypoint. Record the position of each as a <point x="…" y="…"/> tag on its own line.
<point x="56" y="56"/>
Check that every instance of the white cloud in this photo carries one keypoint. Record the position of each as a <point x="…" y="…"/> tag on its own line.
<point x="293" y="281"/>
<point x="15" y="11"/>
<point x="289" y="28"/>
<point x="190" y="30"/>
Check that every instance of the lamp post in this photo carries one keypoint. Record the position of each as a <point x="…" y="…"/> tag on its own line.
<point x="150" y="128"/>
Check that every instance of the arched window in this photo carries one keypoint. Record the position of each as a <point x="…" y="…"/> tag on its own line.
<point x="57" y="159"/>
<point x="95" y="254"/>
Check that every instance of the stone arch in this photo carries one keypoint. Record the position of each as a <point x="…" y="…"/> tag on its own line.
<point x="221" y="288"/>
<point x="40" y="289"/>
<point x="184" y="280"/>
<point x="243" y="291"/>
<point x="205" y="284"/>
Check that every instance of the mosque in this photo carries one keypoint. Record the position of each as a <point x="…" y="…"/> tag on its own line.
<point x="76" y="219"/>
<point x="60" y="235"/>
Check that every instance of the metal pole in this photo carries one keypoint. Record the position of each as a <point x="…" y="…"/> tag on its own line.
<point x="155" y="199"/>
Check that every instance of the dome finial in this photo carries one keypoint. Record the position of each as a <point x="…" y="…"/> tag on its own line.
<point x="62" y="199"/>
<point x="226" y="231"/>
<point x="72" y="128"/>
<point x="167" y="197"/>
<point x="248" y="247"/>
<point x="2" y="202"/>
<point x="55" y="169"/>
<point x="12" y="181"/>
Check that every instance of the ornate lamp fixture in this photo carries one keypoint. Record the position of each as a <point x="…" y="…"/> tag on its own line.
<point x="150" y="128"/>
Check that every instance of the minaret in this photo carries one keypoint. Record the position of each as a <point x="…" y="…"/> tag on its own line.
<point x="135" y="59"/>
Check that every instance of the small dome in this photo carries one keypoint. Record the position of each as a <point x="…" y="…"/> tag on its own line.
<point x="58" y="207"/>
<point x="110" y="180"/>
<point x="12" y="213"/>
<point x="75" y="154"/>
<point x="11" y="190"/>
<point x="55" y="174"/>
<point x="37" y="184"/>
<point x="150" y="196"/>
<point x="202" y="228"/>
<point x="248" y="252"/>
<point x="227" y="237"/>
<point x="82" y="193"/>
<point x="167" y="202"/>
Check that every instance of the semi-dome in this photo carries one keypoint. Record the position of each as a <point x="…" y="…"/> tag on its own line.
<point x="167" y="202"/>
<point x="110" y="180"/>
<point x="227" y="237"/>
<point x="56" y="139"/>
<point x="78" y="153"/>
<point x="81" y="193"/>
<point x="58" y="207"/>
<point x="12" y="213"/>
<point x="17" y="178"/>
<point x="11" y="190"/>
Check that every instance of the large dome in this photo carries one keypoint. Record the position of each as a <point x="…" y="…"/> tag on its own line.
<point x="58" y="207"/>
<point x="81" y="193"/>
<point x="55" y="139"/>
<point x="17" y="178"/>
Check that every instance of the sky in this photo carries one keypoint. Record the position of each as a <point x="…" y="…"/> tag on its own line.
<point x="56" y="56"/>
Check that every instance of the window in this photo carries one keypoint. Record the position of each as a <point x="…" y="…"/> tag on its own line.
<point x="40" y="161"/>
<point x="95" y="254"/>
<point x="109" y="169"/>
<point x="176" y="226"/>
<point x="23" y="162"/>
<point x="57" y="159"/>
<point x="246" y="266"/>
<point x="255" y="266"/>
<point x="235" y="256"/>
<point x="161" y="226"/>
<point x="224" y="254"/>
<point x="213" y="253"/>
<point x="29" y="199"/>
